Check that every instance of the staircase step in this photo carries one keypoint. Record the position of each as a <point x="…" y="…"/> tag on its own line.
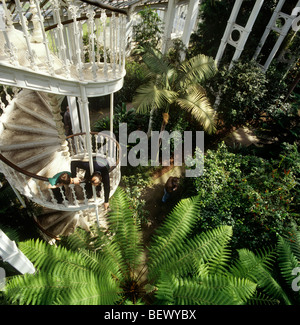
<point x="35" y="159"/>
<point x="19" y="117"/>
<point x="28" y="129"/>
<point x="37" y="115"/>
<point x="25" y="158"/>
<point x="45" y="99"/>
<point x="32" y="103"/>
<point x="57" y="164"/>
<point x="29" y="144"/>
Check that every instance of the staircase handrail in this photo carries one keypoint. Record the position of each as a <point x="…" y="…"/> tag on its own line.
<point x="104" y="6"/>
<point x="21" y="170"/>
<point x="107" y="136"/>
<point x="84" y="17"/>
<point x="45" y="179"/>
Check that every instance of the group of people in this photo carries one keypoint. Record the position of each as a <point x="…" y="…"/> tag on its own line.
<point x="100" y="175"/>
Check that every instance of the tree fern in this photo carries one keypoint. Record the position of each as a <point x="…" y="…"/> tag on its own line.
<point x="209" y="248"/>
<point x="207" y="290"/>
<point x="288" y="250"/>
<point x="127" y="235"/>
<point x="171" y="235"/>
<point x="183" y="269"/>
<point x="257" y="268"/>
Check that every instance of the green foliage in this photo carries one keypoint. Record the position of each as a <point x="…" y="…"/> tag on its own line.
<point x="133" y="187"/>
<point x="148" y="31"/>
<point x="243" y="89"/>
<point x="182" y="269"/>
<point x="282" y="120"/>
<point x="133" y="120"/>
<point x="13" y="215"/>
<point x="181" y="88"/>
<point x="256" y="196"/>
<point x="135" y="76"/>
<point x="213" y="20"/>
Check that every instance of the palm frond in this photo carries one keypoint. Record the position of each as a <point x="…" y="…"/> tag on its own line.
<point x="150" y="95"/>
<point x="197" y="104"/>
<point x="198" y="69"/>
<point x="155" y="61"/>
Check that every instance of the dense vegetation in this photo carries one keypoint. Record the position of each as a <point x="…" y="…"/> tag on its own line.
<point x="235" y="228"/>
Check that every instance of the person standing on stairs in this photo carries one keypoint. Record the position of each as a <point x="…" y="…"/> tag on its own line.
<point x="58" y="180"/>
<point x="101" y="174"/>
<point x="67" y="122"/>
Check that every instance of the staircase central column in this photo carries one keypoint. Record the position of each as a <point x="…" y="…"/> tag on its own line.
<point x="87" y="125"/>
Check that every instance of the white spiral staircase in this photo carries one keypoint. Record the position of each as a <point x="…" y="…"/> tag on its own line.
<point x="44" y="63"/>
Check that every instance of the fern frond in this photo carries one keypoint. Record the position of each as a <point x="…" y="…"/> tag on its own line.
<point x="260" y="298"/>
<point x="171" y="235"/>
<point x="46" y="257"/>
<point x="127" y="234"/>
<point x="46" y="289"/>
<point x="97" y="290"/>
<point x="208" y="290"/>
<point x="207" y="247"/>
<point x="256" y="269"/>
<point x="80" y="239"/>
<point x="11" y="233"/>
<point x="286" y="260"/>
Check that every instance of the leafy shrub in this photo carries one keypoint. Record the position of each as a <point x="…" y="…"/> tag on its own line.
<point x="148" y="31"/>
<point x="133" y="120"/>
<point x="242" y="89"/>
<point x="256" y="196"/>
<point x="135" y="76"/>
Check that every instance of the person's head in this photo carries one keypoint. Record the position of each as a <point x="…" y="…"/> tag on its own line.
<point x="64" y="179"/>
<point x="96" y="179"/>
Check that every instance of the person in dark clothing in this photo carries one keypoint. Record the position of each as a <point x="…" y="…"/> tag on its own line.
<point x="67" y="122"/>
<point x="101" y="174"/>
<point x="170" y="187"/>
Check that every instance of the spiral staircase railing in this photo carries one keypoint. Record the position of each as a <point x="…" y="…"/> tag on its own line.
<point x="85" y="45"/>
<point x="65" y="48"/>
<point x="36" y="187"/>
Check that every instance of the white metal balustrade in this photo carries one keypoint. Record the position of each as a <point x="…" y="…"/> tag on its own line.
<point x="36" y="187"/>
<point x="77" y="43"/>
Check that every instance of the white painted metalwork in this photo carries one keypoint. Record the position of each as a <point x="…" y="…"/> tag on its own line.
<point x="11" y="254"/>
<point x="286" y="21"/>
<point x="242" y="31"/>
<point x="58" y="50"/>
<point x="74" y="198"/>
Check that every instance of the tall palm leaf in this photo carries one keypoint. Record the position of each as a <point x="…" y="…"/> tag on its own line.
<point x="181" y="88"/>
<point x="197" y="104"/>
